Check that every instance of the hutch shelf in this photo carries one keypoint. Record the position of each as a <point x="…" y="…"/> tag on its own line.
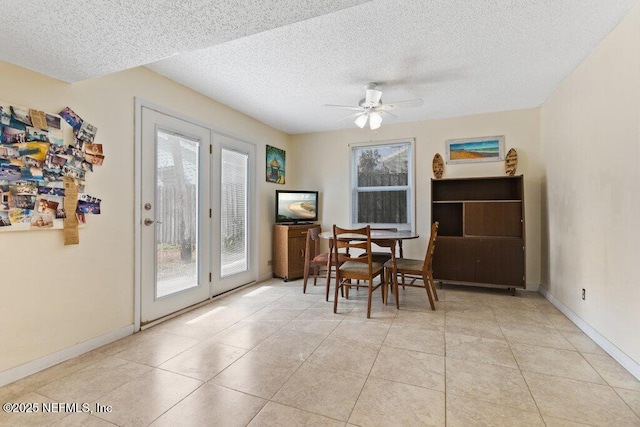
<point x="481" y="238"/>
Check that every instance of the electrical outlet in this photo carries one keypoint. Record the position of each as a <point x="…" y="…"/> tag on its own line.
<point x="584" y="294"/>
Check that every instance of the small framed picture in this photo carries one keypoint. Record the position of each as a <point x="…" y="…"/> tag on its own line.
<point x="473" y="150"/>
<point x="276" y="159"/>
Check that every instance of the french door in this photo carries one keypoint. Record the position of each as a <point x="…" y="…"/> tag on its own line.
<point x="196" y="222"/>
<point x="233" y="218"/>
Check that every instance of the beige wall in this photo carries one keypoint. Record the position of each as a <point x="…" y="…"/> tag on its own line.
<point x="591" y="150"/>
<point x="322" y="163"/>
<point x="55" y="296"/>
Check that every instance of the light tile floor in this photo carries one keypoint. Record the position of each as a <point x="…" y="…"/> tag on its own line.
<point x="272" y="356"/>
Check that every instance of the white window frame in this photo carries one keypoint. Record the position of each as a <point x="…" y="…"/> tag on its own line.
<point x="410" y="187"/>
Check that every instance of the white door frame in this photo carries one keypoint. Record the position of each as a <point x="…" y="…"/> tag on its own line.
<point x="137" y="217"/>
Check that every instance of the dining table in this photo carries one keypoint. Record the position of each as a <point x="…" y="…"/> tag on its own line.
<point x="377" y="235"/>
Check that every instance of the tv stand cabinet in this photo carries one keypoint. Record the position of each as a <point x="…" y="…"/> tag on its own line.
<point x="481" y="238"/>
<point x="289" y="242"/>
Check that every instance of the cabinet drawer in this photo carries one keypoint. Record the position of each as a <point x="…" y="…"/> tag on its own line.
<point x="297" y="232"/>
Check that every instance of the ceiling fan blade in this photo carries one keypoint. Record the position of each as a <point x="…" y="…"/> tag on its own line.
<point x="348" y="107"/>
<point x="402" y="104"/>
<point x="372" y="97"/>
<point x="350" y="116"/>
<point x="386" y="112"/>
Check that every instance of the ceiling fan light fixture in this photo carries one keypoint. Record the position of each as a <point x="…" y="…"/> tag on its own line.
<point x="361" y="121"/>
<point x="370" y="108"/>
<point x="375" y="120"/>
<point x="372" y="97"/>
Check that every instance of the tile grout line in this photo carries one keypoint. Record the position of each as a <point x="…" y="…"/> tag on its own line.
<point x="548" y="375"/>
<point x="625" y="402"/>
<point x="294" y="372"/>
<point x="269" y="400"/>
<point x="370" y="369"/>
<point x="207" y="381"/>
<point x="535" y="402"/>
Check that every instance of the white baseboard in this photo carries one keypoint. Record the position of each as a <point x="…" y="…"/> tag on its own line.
<point x="628" y="363"/>
<point x="14" y="374"/>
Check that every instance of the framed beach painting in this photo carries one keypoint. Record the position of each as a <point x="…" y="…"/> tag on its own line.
<point x="276" y="159"/>
<point x="472" y="150"/>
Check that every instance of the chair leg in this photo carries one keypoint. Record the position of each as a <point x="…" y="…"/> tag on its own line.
<point x="391" y="282"/>
<point x="369" y="296"/>
<point x="385" y="290"/>
<point x="395" y="290"/>
<point x="306" y="277"/>
<point x="335" y="297"/>
<point x="327" y="285"/>
<point x="433" y="286"/>
<point x="428" y="289"/>
<point x="316" y="271"/>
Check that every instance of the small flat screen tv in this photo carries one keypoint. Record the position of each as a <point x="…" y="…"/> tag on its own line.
<point x="296" y="206"/>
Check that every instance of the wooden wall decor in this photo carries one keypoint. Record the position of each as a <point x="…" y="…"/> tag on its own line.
<point x="438" y="166"/>
<point x="511" y="162"/>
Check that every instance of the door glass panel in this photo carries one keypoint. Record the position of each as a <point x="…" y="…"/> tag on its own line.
<point x="176" y="213"/>
<point x="233" y="212"/>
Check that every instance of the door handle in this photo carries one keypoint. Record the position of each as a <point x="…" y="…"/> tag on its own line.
<point x="149" y="221"/>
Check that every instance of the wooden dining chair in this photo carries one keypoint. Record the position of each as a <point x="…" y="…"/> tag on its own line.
<point x="415" y="269"/>
<point x="361" y="268"/>
<point x="384" y="256"/>
<point x="316" y="262"/>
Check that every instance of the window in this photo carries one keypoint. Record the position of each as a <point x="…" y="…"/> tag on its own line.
<point x="382" y="184"/>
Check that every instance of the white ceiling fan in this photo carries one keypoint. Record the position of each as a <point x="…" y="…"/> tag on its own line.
<point x="370" y="108"/>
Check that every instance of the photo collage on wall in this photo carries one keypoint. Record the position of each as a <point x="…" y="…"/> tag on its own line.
<point x="34" y="160"/>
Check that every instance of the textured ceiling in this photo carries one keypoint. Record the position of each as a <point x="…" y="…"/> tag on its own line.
<point x="74" y="40"/>
<point x="280" y="61"/>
